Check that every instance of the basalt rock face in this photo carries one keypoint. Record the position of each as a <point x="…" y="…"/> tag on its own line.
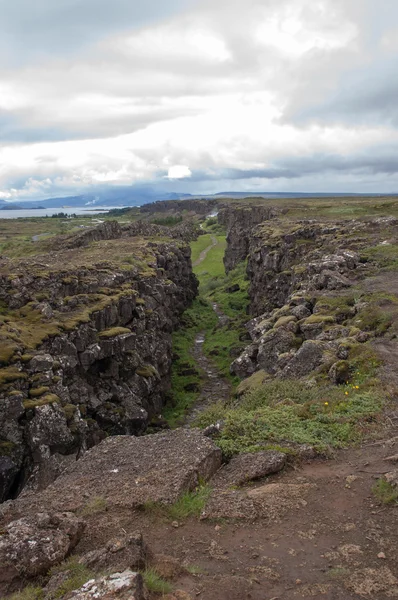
<point x="198" y="206"/>
<point x="306" y="318"/>
<point x="111" y="230"/>
<point x="86" y="349"/>
<point x="239" y="221"/>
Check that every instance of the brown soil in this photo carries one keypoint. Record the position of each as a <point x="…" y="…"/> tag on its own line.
<point x="316" y="534"/>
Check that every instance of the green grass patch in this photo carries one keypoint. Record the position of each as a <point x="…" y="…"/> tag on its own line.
<point x="29" y="593"/>
<point x="155" y="583"/>
<point x="283" y="411"/>
<point x="113" y="332"/>
<point x="94" y="506"/>
<point x="77" y="575"/>
<point x="189" y="504"/>
<point x="385" y="492"/>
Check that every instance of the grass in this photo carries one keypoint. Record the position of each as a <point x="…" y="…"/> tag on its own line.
<point x="189" y="504"/>
<point x="95" y="506"/>
<point x="155" y="583"/>
<point x="77" y="575"/>
<point x="385" y="492"/>
<point x="283" y="411"/>
<point x="29" y="593"/>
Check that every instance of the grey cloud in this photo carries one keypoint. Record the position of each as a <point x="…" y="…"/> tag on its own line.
<point x="35" y="28"/>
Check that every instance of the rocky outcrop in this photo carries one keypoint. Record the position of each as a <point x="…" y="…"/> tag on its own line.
<point x="129" y="472"/>
<point x="239" y="220"/>
<point x="127" y="585"/>
<point x="306" y="321"/>
<point x="198" y="206"/>
<point x="86" y="349"/>
<point x="32" y="545"/>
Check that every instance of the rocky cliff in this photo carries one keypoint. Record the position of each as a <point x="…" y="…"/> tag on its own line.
<point x="308" y="320"/>
<point x="239" y="219"/>
<point x="85" y="346"/>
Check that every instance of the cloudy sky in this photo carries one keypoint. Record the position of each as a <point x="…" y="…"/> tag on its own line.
<point x="198" y="95"/>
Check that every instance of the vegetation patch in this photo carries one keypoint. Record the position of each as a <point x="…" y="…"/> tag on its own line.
<point x="76" y="576"/>
<point x="283" y="411"/>
<point x="385" y="492"/>
<point x="155" y="583"/>
<point x="113" y="332"/>
<point x="94" y="506"/>
<point x="189" y="504"/>
<point x="29" y="593"/>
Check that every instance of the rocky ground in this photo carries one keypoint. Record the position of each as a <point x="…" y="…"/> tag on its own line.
<point x="289" y="490"/>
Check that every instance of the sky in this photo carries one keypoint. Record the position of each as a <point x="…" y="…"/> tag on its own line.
<point x="198" y="96"/>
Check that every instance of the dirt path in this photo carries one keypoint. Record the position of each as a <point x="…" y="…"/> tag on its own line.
<point x="318" y="532"/>
<point x="204" y="252"/>
<point x="214" y="387"/>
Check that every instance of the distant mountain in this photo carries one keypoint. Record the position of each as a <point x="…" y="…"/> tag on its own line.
<point x="143" y="194"/>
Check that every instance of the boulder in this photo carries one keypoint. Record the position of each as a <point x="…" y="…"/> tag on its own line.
<point x="32" y="545"/>
<point x="127" y="552"/>
<point x="339" y="372"/>
<point x="127" y="585"/>
<point x="306" y="359"/>
<point x="130" y="471"/>
<point x="272" y="344"/>
<point x="251" y="466"/>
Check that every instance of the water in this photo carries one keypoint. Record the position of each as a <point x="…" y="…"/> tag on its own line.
<point x="43" y="212"/>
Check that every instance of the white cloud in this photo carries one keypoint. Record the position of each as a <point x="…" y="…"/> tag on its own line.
<point x="178" y="172"/>
<point x="250" y="85"/>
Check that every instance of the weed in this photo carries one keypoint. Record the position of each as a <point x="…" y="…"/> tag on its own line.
<point x="96" y="505"/>
<point x="189" y="504"/>
<point x="29" y="593"/>
<point x="77" y="575"/>
<point x="385" y="492"/>
<point x="289" y="410"/>
<point x="155" y="583"/>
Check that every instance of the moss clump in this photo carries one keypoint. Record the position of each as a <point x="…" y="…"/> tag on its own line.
<point x="140" y="301"/>
<point x="147" y="371"/>
<point x="253" y="382"/>
<point x="37" y="392"/>
<point x="113" y="332"/>
<point x="321" y="319"/>
<point x="69" y="411"/>
<point x="283" y="321"/>
<point x="11" y="374"/>
<point x="6" y="447"/>
<point x="25" y="358"/>
<point x="47" y="399"/>
<point x="7" y="351"/>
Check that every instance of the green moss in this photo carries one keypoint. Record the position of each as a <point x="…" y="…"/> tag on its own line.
<point x="147" y="371"/>
<point x="25" y="358"/>
<point x="69" y="411"/>
<point x="253" y="382"/>
<point x="10" y="374"/>
<point x="283" y="321"/>
<point x="6" y="448"/>
<point x="113" y="332"/>
<point x="37" y="392"/>
<point x="47" y="399"/>
<point x="323" y="319"/>
<point x="7" y="351"/>
<point x="140" y="301"/>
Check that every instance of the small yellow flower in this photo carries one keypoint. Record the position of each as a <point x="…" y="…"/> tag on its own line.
<point x="357" y="387"/>
<point x="326" y="403"/>
<point x="346" y="393"/>
<point x="346" y="382"/>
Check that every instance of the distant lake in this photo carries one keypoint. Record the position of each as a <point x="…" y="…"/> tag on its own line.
<point x="42" y="212"/>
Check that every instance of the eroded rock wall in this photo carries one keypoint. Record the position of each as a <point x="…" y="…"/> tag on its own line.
<point x="239" y="221"/>
<point x="86" y="349"/>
